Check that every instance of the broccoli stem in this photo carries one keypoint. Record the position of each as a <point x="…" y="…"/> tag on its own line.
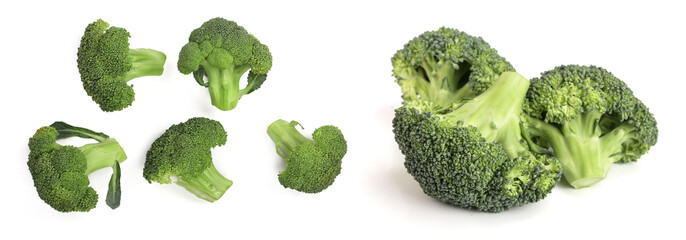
<point x="145" y="62"/>
<point x="585" y="156"/>
<point x="210" y="185"/>
<point x="102" y="154"/>
<point x="446" y="84"/>
<point x="224" y="85"/>
<point x="496" y="112"/>
<point x="285" y="136"/>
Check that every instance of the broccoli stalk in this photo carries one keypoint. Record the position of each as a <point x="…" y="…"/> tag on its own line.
<point x="209" y="185"/>
<point x="224" y="84"/>
<point x="586" y="156"/>
<point x="105" y="153"/>
<point x="145" y="62"/>
<point x="285" y="136"/>
<point x="496" y="112"/>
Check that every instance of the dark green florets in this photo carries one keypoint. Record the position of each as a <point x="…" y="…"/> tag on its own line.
<point x="224" y="51"/>
<point x="311" y="165"/>
<point x="184" y="152"/>
<point x="473" y="154"/>
<point x="446" y="66"/>
<point x="106" y="64"/>
<point x="590" y="118"/>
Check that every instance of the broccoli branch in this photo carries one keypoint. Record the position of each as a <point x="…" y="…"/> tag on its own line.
<point x="210" y="185"/>
<point x="285" y="136"/>
<point x="145" y="62"/>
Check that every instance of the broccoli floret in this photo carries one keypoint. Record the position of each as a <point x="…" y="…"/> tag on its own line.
<point x="106" y="64"/>
<point x="311" y="165"/>
<point x="473" y="154"/>
<point x="590" y="118"/>
<point x="446" y="66"/>
<point x="60" y="173"/>
<point x="184" y="152"/>
<point x="224" y="51"/>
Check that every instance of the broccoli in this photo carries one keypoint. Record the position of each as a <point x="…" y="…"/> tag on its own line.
<point x="311" y="165"/>
<point x="224" y="51"/>
<point x="590" y="118"/>
<point x="60" y="173"/>
<point x="183" y="152"/>
<point x="106" y="64"/>
<point x="474" y="153"/>
<point x="446" y="66"/>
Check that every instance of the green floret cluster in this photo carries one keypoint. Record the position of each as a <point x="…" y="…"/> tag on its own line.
<point x="446" y="66"/>
<point x="106" y="64"/>
<point x="311" y="164"/>
<point x="223" y="51"/>
<point x="60" y="173"/>
<point x="473" y="154"/>
<point x="184" y="152"/>
<point x="590" y="119"/>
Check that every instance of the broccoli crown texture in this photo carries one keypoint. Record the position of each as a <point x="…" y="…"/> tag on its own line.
<point x="184" y="152"/>
<point x="473" y="154"/>
<point x="311" y="165"/>
<point x="60" y="173"/>
<point x="446" y="66"/>
<point x="106" y="64"/>
<point x="590" y="118"/>
<point x="224" y="51"/>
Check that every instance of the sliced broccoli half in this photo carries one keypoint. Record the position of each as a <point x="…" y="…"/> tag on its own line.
<point x="224" y="51"/>
<point x="184" y="152"/>
<point x="590" y="118"/>
<point x="106" y="64"/>
<point x="311" y="164"/>
<point x="474" y="153"/>
<point x="446" y="66"/>
<point x="60" y="173"/>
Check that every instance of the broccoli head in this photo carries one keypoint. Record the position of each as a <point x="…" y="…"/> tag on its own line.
<point x="590" y="118"/>
<point x="446" y="66"/>
<point x="474" y="153"/>
<point x="60" y="173"/>
<point x="106" y="64"/>
<point x="224" y="51"/>
<point x="311" y="164"/>
<point x="184" y="152"/>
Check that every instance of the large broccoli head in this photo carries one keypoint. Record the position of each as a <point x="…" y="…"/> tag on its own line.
<point x="311" y="165"/>
<point x="106" y="64"/>
<point x="590" y="118"/>
<point x="474" y="154"/>
<point x="446" y="66"/>
<point x="224" y="51"/>
<point x="60" y="173"/>
<point x="184" y="152"/>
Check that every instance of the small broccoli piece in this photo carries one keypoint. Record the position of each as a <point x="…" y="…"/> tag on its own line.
<point x="590" y="118"/>
<point x="224" y="51"/>
<point x="106" y="64"/>
<point x="184" y="152"/>
<point x="473" y="154"/>
<point x="60" y="173"/>
<point x="446" y="66"/>
<point x="311" y="165"/>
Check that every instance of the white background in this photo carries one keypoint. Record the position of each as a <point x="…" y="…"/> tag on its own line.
<point x="332" y="66"/>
